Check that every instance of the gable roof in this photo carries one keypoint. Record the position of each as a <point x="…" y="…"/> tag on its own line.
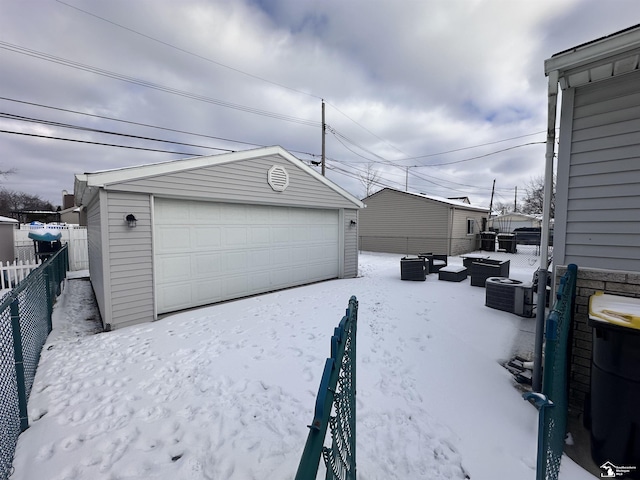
<point x="105" y="178"/>
<point x="447" y="201"/>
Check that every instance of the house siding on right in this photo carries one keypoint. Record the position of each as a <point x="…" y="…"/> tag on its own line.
<point x="598" y="204"/>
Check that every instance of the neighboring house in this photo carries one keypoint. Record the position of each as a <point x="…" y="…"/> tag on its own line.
<point x="508" y="222"/>
<point x="7" y="251"/>
<point x="70" y="215"/>
<point x="410" y="223"/>
<point x="186" y="233"/>
<point x="598" y="179"/>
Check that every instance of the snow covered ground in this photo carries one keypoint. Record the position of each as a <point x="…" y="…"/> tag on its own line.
<point x="226" y="392"/>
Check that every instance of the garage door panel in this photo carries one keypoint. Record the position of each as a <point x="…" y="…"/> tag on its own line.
<point x="259" y="235"/>
<point x="206" y="237"/>
<point x="175" y="239"/>
<point x="205" y="264"/>
<point x="177" y="267"/>
<point x="235" y="236"/>
<point x="209" y="252"/>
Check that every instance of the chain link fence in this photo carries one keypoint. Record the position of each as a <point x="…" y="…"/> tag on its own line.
<point x="25" y="323"/>
<point x="553" y="402"/>
<point x="337" y="393"/>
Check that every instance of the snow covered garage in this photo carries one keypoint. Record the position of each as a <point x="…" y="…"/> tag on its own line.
<point x="181" y="234"/>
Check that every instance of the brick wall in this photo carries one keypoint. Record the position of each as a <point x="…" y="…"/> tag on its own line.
<point x="589" y="281"/>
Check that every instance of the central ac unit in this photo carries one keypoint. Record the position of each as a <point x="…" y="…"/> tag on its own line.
<point x="510" y="295"/>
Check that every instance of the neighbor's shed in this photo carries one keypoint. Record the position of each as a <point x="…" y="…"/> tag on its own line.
<point x="410" y="223"/>
<point x="7" y="241"/>
<point x="181" y="234"/>
<point x="597" y="203"/>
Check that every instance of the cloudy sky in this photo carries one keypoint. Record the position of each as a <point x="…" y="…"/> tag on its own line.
<point x="438" y="96"/>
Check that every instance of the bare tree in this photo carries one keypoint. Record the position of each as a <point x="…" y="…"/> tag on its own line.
<point x="534" y="199"/>
<point x="15" y="201"/>
<point x="369" y="179"/>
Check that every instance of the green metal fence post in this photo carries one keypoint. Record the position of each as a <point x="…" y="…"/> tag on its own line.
<point x="19" y="364"/>
<point x="47" y="282"/>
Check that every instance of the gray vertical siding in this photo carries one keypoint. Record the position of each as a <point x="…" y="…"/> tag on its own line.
<point x="350" y="244"/>
<point x="7" y="253"/>
<point x="131" y="259"/>
<point x="599" y="199"/>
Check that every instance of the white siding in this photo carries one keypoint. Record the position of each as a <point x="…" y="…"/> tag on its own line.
<point x="240" y="181"/>
<point x="96" y="264"/>
<point x="350" y="244"/>
<point x="130" y="255"/>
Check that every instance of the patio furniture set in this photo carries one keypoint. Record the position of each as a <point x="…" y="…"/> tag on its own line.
<point x="502" y="293"/>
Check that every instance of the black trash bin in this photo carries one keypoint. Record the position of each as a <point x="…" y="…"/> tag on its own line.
<point x="614" y="402"/>
<point x="44" y="249"/>
<point x="488" y="241"/>
<point x="413" y="268"/>
<point x="507" y="242"/>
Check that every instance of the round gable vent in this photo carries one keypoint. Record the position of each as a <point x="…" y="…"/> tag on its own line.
<point x="278" y="178"/>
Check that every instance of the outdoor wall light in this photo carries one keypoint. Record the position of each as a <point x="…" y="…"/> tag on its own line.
<point x="131" y="220"/>
<point x="353" y="223"/>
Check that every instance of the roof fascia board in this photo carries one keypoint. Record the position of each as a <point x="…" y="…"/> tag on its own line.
<point x="459" y="205"/>
<point x="593" y="52"/>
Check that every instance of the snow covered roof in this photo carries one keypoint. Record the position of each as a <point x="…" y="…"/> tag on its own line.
<point x="8" y="220"/>
<point x="454" y="203"/>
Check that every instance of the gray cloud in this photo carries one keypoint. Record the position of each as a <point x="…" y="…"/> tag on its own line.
<point x="404" y="82"/>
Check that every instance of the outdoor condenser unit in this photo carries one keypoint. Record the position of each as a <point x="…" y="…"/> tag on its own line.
<point x="511" y="296"/>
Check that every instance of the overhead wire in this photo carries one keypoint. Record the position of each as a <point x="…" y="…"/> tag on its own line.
<point x="99" y="143"/>
<point x="188" y="52"/>
<point x="95" y="130"/>
<point x="39" y="105"/>
<point x="137" y="81"/>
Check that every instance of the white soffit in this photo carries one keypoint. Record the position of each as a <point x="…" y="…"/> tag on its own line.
<point x="604" y="58"/>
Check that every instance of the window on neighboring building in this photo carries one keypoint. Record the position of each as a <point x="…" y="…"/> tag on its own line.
<point x="470" y="226"/>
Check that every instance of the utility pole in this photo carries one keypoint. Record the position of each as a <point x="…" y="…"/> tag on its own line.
<point x="324" y="131"/>
<point x="406" y="180"/>
<point x="491" y="203"/>
<point x="515" y="200"/>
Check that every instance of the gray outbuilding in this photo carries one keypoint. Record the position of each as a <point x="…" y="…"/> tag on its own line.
<point x="410" y="223"/>
<point x="181" y="234"/>
<point x="7" y="249"/>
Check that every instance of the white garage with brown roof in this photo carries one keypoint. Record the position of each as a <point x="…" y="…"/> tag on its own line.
<point x="210" y="229"/>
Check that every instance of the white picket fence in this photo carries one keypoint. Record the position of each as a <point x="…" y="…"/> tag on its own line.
<point x="73" y="235"/>
<point x="12" y="273"/>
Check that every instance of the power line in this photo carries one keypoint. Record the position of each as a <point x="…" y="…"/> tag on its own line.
<point x="257" y="77"/>
<point x="154" y="86"/>
<point x="128" y="121"/>
<point x="10" y="116"/>
<point x="188" y="52"/>
<point x="148" y="126"/>
<point x="99" y="143"/>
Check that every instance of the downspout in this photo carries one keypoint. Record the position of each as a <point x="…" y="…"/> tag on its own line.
<point x="544" y="234"/>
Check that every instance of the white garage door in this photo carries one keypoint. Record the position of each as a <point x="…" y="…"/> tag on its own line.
<point x="208" y="252"/>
